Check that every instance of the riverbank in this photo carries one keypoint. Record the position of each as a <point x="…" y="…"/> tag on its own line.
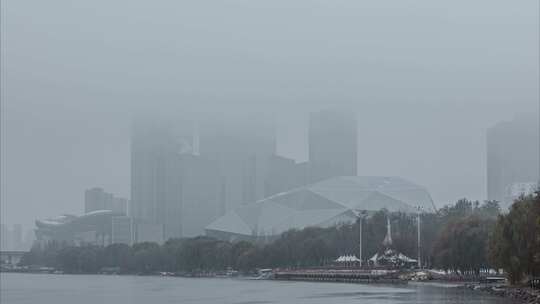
<point x="523" y="294"/>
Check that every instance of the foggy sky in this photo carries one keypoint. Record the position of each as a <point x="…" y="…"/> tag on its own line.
<point x="427" y="79"/>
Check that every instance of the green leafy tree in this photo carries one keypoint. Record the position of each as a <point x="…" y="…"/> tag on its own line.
<point x="117" y="255"/>
<point x="146" y="257"/>
<point x="515" y="244"/>
<point x="462" y="245"/>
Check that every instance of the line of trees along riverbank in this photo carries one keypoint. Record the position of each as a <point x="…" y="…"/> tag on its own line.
<point x="465" y="238"/>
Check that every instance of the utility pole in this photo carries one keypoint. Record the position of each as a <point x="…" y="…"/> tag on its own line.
<point x="360" y="215"/>
<point x="360" y="221"/>
<point x="418" y="241"/>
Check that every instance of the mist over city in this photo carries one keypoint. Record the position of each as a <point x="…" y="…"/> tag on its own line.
<point x="306" y="140"/>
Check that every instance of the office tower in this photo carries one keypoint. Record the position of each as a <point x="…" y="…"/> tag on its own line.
<point x="200" y="192"/>
<point x="332" y="144"/>
<point x="97" y="199"/>
<point x="171" y="186"/>
<point x="240" y="148"/>
<point x="146" y="231"/>
<point x="284" y="174"/>
<point x="512" y="159"/>
<point x="119" y="205"/>
<point x="156" y="147"/>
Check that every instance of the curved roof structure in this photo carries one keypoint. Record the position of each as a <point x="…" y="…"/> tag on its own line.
<point x="73" y="220"/>
<point x="65" y="226"/>
<point x="323" y="204"/>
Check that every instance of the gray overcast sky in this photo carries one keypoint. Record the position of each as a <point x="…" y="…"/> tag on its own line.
<point x="426" y="77"/>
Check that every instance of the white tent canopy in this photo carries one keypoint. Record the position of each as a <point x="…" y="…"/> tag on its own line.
<point x="393" y="256"/>
<point x="347" y="259"/>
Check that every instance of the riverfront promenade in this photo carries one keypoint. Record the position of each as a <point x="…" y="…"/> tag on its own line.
<point x="340" y="275"/>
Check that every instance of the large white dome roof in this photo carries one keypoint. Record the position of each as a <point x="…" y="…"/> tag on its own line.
<point x="323" y="204"/>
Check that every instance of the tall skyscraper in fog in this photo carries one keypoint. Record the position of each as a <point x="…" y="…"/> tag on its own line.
<point x="332" y="144"/>
<point x="171" y="186"/>
<point x="201" y="194"/>
<point x="156" y="146"/>
<point x="98" y="199"/>
<point x="284" y="174"/>
<point x="240" y="147"/>
<point x="512" y="159"/>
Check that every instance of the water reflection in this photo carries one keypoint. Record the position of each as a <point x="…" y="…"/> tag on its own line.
<point x="92" y="289"/>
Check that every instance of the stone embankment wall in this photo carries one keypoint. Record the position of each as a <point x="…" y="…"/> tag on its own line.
<point x="526" y="295"/>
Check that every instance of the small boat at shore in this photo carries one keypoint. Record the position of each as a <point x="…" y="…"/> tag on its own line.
<point x="264" y="274"/>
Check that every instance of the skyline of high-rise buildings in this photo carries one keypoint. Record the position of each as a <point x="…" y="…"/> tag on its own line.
<point x="186" y="172"/>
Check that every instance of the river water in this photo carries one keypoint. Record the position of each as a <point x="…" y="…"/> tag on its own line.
<point x="17" y="288"/>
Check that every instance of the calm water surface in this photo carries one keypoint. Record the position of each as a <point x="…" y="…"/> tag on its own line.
<point x="92" y="289"/>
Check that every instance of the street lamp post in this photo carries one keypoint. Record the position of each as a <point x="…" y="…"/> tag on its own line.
<point x="360" y="234"/>
<point x="419" y="238"/>
<point x="360" y="215"/>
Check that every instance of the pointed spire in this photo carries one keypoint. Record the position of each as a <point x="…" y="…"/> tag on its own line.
<point x="387" y="242"/>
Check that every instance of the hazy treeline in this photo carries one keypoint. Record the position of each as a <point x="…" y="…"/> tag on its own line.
<point x="461" y="236"/>
<point x="478" y="238"/>
<point x="465" y="238"/>
<point x="295" y="248"/>
<point x="514" y="244"/>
